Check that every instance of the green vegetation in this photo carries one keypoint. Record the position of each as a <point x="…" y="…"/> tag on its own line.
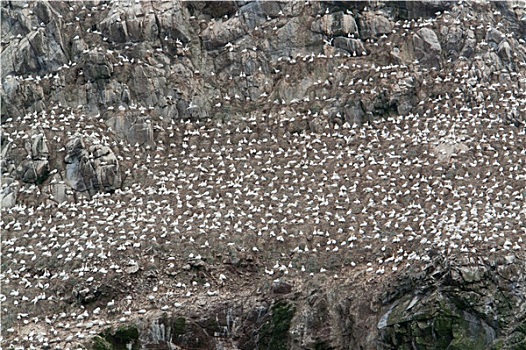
<point x="127" y="333"/>
<point x="179" y="326"/>
<point x="100" y="343"/>
<point x="118" y="340"/>
<point x="437" y="323"/>
<point x="274" y="333"/>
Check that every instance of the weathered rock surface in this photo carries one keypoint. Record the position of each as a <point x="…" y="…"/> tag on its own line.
<point x="136" y="129"/>
<point x="471" y="306"/>
<point x="336" y="24"/>
<point x="91" y="166"/>
<point x="427" y="47"/>
<point x="447" y="305"/>
<point x="160" y="47"/>
<point x="373" y="25"/>
<point x="263" y="175"/>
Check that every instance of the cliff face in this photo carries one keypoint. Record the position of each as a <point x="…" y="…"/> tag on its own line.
<point x="135" y="67"/>
<point x="263" y="175"/>
<point x="446" y="305"/>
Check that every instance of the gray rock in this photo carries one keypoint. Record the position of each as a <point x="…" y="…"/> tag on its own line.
<point x="263" y="8"/>
<point x="59" y="190"/>
<point x="292" y="37"/>
<point x="335" y="24"/>
<point x="34" y="52"/>
<point x="495" y="36"/>
<point x="18" y="58"/>
<point x="430" y="38"/>
<point x="221" y="33"/>
<point x="147" y="82"/>
<point x="464" y="311"/>
<point x="7" y="199"/>
<point x="505" y="51"/>
<point x="44" y="12"/>
<point x="131" y="269"/>
<point x="469" y="44"/>
<point x="353" y="46"/>
<point x="91" y="166"/>
<point x="114" y="28"/>
<point x="317" y="125"/>
<point x="10" y="87"/>
<point x="135" y="128"/>
<point x="373" y="25"/>
<point x="106" y="168"/>
<point x="445" y="150"/>
<point x="427" y="47"/>
<point x="33" y="171"/>
<point x="9" y="192"/>
<point x="281" y="287"/>
<point x="4" y="157"/>
<point x="35" y="168"/>
<point x="453" y="42"/>
<point x="39" y="148"/>
<point x="354" y="112"/>
<point x="419" y="9"/>
<point x="138" y="24"/>
<point x="97" y="67"/>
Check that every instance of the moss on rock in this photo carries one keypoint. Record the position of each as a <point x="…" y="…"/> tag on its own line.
<point x="119" y="339"/>
<point x="127" y="333"/>
<point x="274" y="333"/>
<point x="436" y="322"/>
<point x="99" y="343"/>
<point x="179" y="326"/>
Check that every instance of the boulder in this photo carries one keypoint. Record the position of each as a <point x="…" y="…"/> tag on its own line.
<point x="354" y="112"/>
<point x="505" y="51"/>
<point x="36" y="171"/>
<point x="453" y="42"/>
<point x="8" y="192"/>
<point x="35" y="168"/>
<point x="435" y="322"/>
<point x="469" y="44"/>
<point x="469" y="310"/>
<point x="58" y="189"/>
<point x="135" y="128"/>
<point x="353" y="46"/>
<point x="494" y="36"/>
<point x="39" y="148"/>
<point x="91" y="166"/>
<point x="36" y="52"/>
<point x="97" y="67"/>
<point x="335" y="24"/>
<point x="373" y="25"/>
<point x="114" y="28"/>
<point x="263" y="8"/>
<point x="427" y="47"/>
<point x="216" y="36"/>
<point x="411" y="9"/>
<point x="281" y="287"/>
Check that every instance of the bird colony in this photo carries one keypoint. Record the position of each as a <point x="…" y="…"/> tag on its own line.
<point x="289" y="188"/>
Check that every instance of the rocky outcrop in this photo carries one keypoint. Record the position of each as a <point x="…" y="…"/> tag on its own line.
<point x="263" y="175"/>
<point x="179" y="58"/>
<point x="427" y="47"/>
<point x="91" y="166"/>
<point x="374" y="25"/>
<point x="136" y="129"/>
<point x="35" y="168"/>
<point x="463" y="306"/>
<point x="35" y="41"/>
<point x="336" y="24"/>
<point x="446" y="305"/>
<point x="9" y="192"/>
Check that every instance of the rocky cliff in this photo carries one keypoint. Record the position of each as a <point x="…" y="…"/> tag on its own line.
<point x="263" y="175"/>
